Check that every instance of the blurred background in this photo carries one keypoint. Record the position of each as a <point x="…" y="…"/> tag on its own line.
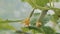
<point x="17" y="10"/>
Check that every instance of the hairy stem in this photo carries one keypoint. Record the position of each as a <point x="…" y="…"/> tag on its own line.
<point x="42" y="15"/>
<point x="31" y="13"/>
<point x="50" y="3"/>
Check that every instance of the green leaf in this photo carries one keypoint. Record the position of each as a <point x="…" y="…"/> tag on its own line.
<point x="54" y="18"/>
<point x="34" y="18"/>
<point x="43" y="18"/>
<point x="46" y="19"/>
<point x="21" y="32"/>
<point x="42" y="2"/>
<point x="24" y="29"/>
<point x="37" y="2"/>
<point x="43" y="29"/>
<point x="34" y="28"/>
<point x="57" y="12"/>
<point x="48" y="30"/>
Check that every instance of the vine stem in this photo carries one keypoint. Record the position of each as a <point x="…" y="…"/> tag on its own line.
<point x="39" y="20"/>
<point x="4" y="21"/>
<point x="42" y="15"/>
<point x="9" y="21"/>
<point x="44" y="8"/>
<point x="27" y="20"/>
<point x="53" y="2"/>
<point x="50" y="3"/>
<point x="31" y="13"/>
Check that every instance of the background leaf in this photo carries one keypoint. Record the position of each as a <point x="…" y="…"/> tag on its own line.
<point x="5" y="26"/>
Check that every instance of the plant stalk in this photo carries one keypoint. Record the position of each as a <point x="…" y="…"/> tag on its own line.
<point x="31" y="13"/>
